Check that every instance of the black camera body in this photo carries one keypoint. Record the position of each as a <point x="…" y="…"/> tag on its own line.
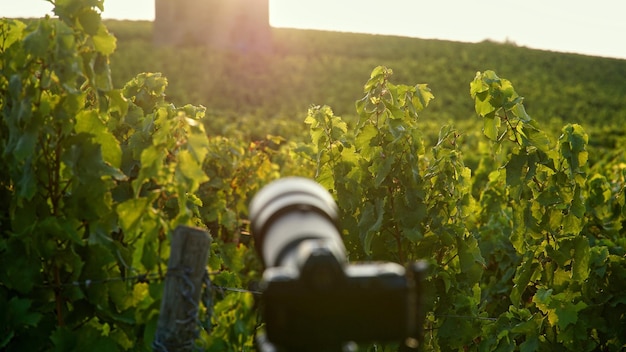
<point x="329" y="305"/>
<point x="312" y="298"/>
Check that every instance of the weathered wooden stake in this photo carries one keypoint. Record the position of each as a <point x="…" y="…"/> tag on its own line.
<point x="177" y="326"/>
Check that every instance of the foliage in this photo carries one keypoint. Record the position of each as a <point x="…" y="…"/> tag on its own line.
<point x="523" y="227"/>
<point x="264" y="92"/>
<point x="519" y="266"/>
<point x="564" y="281"/>
<point x="409" y="204"/>
<point x="95" y="180"/>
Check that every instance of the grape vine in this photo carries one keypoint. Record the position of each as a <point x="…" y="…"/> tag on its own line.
<point x="523" y="249"/>
<point x="523" y="232"/>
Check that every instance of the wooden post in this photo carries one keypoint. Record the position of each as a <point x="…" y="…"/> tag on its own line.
<point x="177" y="326"/>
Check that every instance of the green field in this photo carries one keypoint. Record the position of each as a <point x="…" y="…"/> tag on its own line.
<point x="327" y="68"/>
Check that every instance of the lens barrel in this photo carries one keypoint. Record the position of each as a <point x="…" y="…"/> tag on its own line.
<point x="289" y="211"/>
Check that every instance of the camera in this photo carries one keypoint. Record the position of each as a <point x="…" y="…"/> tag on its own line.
<point x="312" y="298"/>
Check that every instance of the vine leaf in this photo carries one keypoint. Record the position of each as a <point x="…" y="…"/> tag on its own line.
<point x="88" y="121"/>
<point x="370" y="223"/>
<point x="580" y="269"/>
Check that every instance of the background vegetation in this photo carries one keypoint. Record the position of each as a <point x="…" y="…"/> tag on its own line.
<point x="317" y="67"/>
<point x="518" y="204"/>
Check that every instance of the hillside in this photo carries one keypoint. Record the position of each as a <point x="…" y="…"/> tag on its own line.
<point x="317" y="67"/>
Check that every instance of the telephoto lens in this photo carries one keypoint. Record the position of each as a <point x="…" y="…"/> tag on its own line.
<point x="312" y="298"/>
<point x="288" y="212"/>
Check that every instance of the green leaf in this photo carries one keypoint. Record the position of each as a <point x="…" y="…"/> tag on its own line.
<point x="567" y="313"/>
<point x="470" y="258"/>
<point x="88" y="121"/>
<point x="491" y="127"/>
<point x="530" y="324"/>
<point x="85" y="164"/>
<point x="64" y="339"/>
<point x="37" y="42"/>
<point x="515" y="168"/>
<point x="146" y="254"/>
<point x="90" y="21"/>
<point x="4" y="341"/>
<point x="325" y="177"/>
<point x="73" y="103"/>
<point x="19" y="314"/>
<point x="122" y="339"/>
<point x="150" y="332"/>
<point x="151" y="165"/>
<point x="15" y="86"/>
<point x="578" y="204"/>
<point x="318" y="137"/>
<point x="93" y="339"/>
<point x="478" y="86"/>
<point x="97" y="260"/>
<point x="580" y="268"/>
<point x="14" y="33"/>
<point x="543" y="299"/>
<point x="576" y="137"/>
<point x="549" y="197"/>
<point x="191" y="170"/>
<point x="117" y="102"/>
<point x="531" y="344"/>
<point x="104" y="42"/>
<point x="522" y="277"/>
<point x="26" y="145"/>
<point x="27" y="183"/>
<point x="572" y="224"/>
<point x="560" y="309"/>
<point x="65" y="40"/>
<point x="102" y="73"/>
<point x="60" y="228"/>
<point x="150" y="255"/>
<point x="381" y="167"/>
<point x="198" y="145"/>
<point x="377" y="77"/>
<point x="366" y="141"/>
<point x="423" y="95"/>
<point x="484" y="108"/>
<point x="20" y="271"/>
<point x="573" y="144"/>
<point x="520" y="112"/>
<point x="130" y="213"/>
<point x="339" y="128"/>
<point x="370" y="223"/>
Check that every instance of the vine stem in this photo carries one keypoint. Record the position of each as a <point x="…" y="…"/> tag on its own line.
<point x="513" y="129"/>
<point x="399" y="244"/>
<point x="58" y="297"/>
<point x="396" y="233"/>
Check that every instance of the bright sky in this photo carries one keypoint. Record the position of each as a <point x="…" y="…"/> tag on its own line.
<point x="588" y="27"/>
